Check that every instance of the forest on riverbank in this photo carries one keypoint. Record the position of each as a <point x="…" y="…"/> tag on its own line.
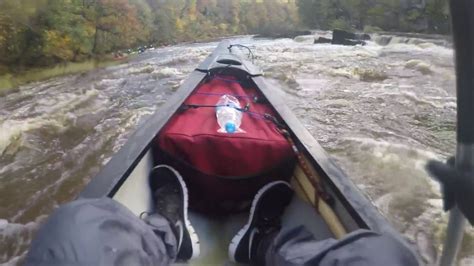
<point x="37" y="33"/>
<point x="420" y="16"/>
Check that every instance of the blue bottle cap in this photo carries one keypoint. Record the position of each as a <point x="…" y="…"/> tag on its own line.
<point x="230" y="127"/>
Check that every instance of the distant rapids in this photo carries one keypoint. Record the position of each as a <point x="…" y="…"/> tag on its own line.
<point x="380" y="110"/>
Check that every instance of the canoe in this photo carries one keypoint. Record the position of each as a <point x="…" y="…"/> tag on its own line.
<point x="326" y="200"/>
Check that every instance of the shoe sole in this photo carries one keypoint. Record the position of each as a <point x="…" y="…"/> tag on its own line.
<point x="192" y="233"/>
<point x="236" y="239"/>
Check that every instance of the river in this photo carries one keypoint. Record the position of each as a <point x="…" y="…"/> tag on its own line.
<point x="381" y="111"/>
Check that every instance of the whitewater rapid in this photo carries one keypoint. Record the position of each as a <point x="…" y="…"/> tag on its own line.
<point x="381" y="111"/>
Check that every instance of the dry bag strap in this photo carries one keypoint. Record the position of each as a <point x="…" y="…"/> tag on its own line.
<point x="319" y="190"/>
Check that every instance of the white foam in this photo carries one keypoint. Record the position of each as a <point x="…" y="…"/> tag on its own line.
<point x="167" y="72"/>
<point x="384" y="146"/>
<point x="12" y="130"/>
<point x="18" y="236"/>
<point x="468" y="261"/>
<point x="14" y="261"/>
<point x="11" y="229"/>
<point x="53" y="112"/>
<point x="305" y="39"/>
<point x="434" y="50"/>
<point x="3" y="224"/>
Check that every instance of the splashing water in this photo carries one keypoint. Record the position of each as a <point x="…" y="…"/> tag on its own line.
<point x="380" y="111"/>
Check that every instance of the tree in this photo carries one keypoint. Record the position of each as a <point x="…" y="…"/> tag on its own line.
<point x="19" y="35"/>
<point x="427" y="15"/>
<point x="117" y="25"/>
<point x="145" y="19"/>
<point x="43" y="32"/>
<point x="66" y="34"/>
<point x="438" y="15"/>
<point x="310" y="13"/>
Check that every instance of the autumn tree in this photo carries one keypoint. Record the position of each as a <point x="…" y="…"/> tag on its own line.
<point x="66" y="33"/>
<point x="19" y="33"/>
<point x="116" y="25"/>
<point x="44" y="32"/>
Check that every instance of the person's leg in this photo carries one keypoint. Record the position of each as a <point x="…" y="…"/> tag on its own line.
<point x="101" y="232"/>
<point x="171" y="200"/>
<point x="104" y="232"/>
<point x="297" y="246"/>
<point x="264" y="219"/>
<point x="262" y="241"/>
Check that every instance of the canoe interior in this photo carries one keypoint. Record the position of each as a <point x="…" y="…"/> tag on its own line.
<point x="322" y="218"/>
<point x="215" y="233"/>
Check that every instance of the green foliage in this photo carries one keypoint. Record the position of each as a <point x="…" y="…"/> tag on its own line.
<point x="45" y="32"/>
<point x="66" y="34"/>
<point x="18" y="35"/>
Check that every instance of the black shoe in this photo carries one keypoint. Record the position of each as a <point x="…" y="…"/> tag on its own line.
<point x="265" y="217"/>
<point x="171" y="200"/>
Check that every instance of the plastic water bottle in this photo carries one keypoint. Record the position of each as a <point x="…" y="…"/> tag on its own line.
<point x="228" y="117"/>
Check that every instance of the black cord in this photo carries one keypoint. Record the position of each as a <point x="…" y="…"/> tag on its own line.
<point x="195" y="106"/>
<point x="250" y="55"/>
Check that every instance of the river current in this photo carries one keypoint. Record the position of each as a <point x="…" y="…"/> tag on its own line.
<point x="380" y="110"/>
